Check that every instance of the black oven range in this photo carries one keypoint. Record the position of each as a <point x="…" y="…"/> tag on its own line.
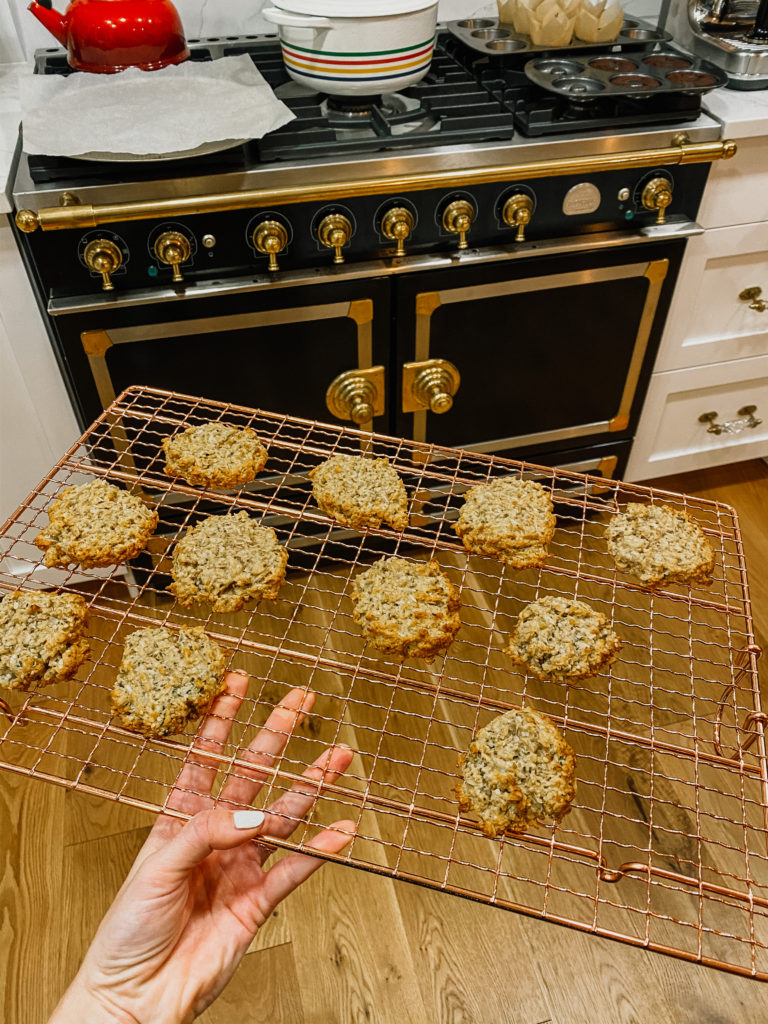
<point x="469" y="263"/>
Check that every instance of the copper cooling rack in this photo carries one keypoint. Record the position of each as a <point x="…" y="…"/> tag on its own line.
<point x="666" y="847"/>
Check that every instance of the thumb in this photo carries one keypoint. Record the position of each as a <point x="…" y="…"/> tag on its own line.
<point x="207" y="831"/>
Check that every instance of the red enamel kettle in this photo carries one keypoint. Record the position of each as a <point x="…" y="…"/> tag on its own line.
<point x="111" y="35"/>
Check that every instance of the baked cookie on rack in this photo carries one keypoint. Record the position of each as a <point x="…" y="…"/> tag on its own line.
<point x="227" y="561"/>
<point x="407" y="609"/>
<point x="215" y="455"/>
<point x="509" y="519"/>
<point x="658" y="545"/>
<point x="41" y="638"/>
<point x="166" y="679"/>
<point x="518" y="771"/>
<point x="96" y="524"/>
<point x="562" y="639"/>
<point x="361" y="493"/>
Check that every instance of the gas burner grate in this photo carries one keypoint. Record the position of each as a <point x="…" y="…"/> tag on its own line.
<point x="665" y="848"/>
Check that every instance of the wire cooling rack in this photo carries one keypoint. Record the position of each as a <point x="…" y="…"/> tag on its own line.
<point x="666" y="846"/>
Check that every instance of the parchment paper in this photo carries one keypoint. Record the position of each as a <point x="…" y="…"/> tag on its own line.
<point x="149" y="113"/>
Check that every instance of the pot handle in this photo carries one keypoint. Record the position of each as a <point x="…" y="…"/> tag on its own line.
<point x="278" y="17"/>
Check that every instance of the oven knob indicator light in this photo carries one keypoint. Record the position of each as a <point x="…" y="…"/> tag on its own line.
<point x="624" y="194"/>
<point x="209" y="241"/>
<point x="582" y="199"/>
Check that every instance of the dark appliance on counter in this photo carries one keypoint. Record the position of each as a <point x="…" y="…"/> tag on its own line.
<point x="732" y="34"/>
<point x="475" y="262"/>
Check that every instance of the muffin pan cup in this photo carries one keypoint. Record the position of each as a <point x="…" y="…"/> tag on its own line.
<point x="591" y="75"/>
<point x="492" y="37"/>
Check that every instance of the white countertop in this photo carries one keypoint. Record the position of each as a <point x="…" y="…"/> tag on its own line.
<point x="744" y="113"/>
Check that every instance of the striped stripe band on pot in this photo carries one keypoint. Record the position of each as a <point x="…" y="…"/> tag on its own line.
<point x="370" y="67"/>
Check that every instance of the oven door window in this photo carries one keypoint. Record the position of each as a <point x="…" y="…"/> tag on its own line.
<point x="547" y="350"/>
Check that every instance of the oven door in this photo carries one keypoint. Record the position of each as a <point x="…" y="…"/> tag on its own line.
<point x="280" y="349"/>
<point x="551" y="352"/>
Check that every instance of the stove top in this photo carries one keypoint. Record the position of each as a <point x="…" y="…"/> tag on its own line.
<point x="465" y="99"/>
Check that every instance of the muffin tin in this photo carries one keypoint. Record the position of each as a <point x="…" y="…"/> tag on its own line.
<point x="491" y="37"/>
<point x="590" y="75"/>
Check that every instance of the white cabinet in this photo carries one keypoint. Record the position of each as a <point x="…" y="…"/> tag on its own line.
<point x="714" y="353"/>
<point x="674" y="439"/>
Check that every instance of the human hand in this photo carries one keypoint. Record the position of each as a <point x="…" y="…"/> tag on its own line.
<point x="199" y="891"/>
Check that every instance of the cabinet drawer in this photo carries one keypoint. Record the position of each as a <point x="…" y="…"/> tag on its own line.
<point x="670" y="437"/>
<point x="708" y="322"/>
<point x="736" y="192"/>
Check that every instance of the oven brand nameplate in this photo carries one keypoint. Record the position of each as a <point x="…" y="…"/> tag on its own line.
<point x="582" y="198"/>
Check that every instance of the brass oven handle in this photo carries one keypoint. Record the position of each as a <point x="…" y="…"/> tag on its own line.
<point x="657" y="195"/>
<point x="457" y="218"/>
<point x="270" y="238"/>
<point x="334" y="232"/>
<point x="748" y="421"/>
<point x="357" y="395"/>
<point x="517" y="213"/>
<point x="103" y="257"/>
<point x="430" y="385"/>
<point x="173" y="248"/>
<point x="85" y="215"/>
<point x="752" y="296"/>
<point x="397" y="225"/>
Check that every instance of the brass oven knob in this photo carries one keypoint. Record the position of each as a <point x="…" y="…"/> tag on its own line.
<point x="657" y="195"/>
<point x="173" y="248"/>
<point x="357" y="395"/>
<point x="334" y="232"/>
<point x="397" y="224"/>
<point x="517" y="213"/>
<point x="270" y="238"/>
<point x="457" y="218"/>
<point x="433" y="386"/>
<point x="103" y="257"/>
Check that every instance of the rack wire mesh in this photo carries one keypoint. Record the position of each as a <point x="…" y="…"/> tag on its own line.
<point x="667" y="845"/>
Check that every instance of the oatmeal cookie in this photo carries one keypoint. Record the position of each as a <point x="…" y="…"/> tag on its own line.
<point x="658" y="544"/>
<point x="408" y="609"/>
<point x="96" y="524"/>
<point x="166" y="679"/>
<point x="41" y="638"/>
<point x="215" y="455"/>
<point x="227" y="560"/>
<point x="518" y="771"/>
<point x="508" y="518"/>
<point x="559" y="638"/>
<point x="360" y="492"/>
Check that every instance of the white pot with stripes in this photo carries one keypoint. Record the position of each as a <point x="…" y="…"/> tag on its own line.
<point x="328" y="45"/>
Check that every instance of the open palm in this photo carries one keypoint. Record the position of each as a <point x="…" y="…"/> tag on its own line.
<point x="199" y="890"/>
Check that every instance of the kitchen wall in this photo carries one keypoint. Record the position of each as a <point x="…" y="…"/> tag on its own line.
<point x="21" y="34"/>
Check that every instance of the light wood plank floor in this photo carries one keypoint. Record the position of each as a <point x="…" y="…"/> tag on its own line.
<point x="350" y="946"/>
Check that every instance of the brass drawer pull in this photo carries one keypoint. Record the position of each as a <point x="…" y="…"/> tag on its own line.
<point x="748" y="421"/>
<point x="752" y="296"/>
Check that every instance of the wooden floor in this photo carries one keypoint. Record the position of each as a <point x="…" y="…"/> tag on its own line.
<point x="350" y="946"/>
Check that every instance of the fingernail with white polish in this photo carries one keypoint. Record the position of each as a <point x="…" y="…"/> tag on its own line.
<point x="247" y="819"/>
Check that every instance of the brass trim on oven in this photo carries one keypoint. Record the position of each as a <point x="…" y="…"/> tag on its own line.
<point x="96" y="344"/>
<point x="85" y="215"/>
<point x="654" y="271"/>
